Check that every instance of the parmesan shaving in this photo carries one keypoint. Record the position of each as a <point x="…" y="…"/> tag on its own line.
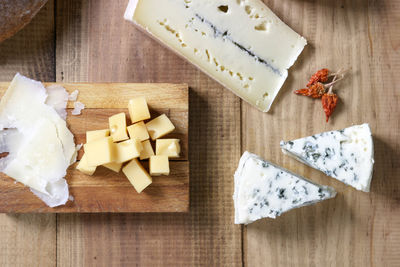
<point x="73" y="96"/>
<point x="78" y="107"/>
<point x="40" y="146"/>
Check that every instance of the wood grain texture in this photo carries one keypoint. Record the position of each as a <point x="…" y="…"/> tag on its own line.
<point x="29" y="239"/>
<point x="355" y="228"/>
<point x="107" y="191"/>
<point x="14" y="15"/>
<point x="94" y="43"/>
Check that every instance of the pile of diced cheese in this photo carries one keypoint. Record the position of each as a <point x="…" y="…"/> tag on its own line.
<point x="119" y="144"/>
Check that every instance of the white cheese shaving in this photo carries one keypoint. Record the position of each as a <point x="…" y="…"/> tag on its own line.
<point x="78" y="107"/>
<point x="39" y="144"/>
<point x="57" y="98"/>
<point x="73" y="96"/>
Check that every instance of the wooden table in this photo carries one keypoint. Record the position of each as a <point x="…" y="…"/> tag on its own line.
<point x="88" y="41"/>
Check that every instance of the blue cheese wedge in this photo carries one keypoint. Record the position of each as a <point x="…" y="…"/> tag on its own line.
<point x="346" y="155"/>
<point x="242" y="44"/>
<point x="264" y="190"/>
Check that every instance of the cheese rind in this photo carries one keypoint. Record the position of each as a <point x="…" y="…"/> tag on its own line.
<point x="346" y="155"/>
<point x="241" y="44"/>
<point x="263" y="189"/>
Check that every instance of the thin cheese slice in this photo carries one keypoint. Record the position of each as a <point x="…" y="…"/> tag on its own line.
<point x="39" y="143"/>
<point x="240" y="43"/>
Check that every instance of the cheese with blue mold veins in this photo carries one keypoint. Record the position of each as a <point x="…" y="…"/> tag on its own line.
<point x="265" y="190"/>
<point x="240" y="43"/>
<point x="346" y="155"/>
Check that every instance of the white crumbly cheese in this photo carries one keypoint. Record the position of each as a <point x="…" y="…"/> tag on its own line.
<point x="73" y="96"/>
<point x="78" y="107"/>
<point x="39" y="144"/>
<point x="240" y="43"/>
<point x="57" y="98"/>
<point x="346" y="155"/>
<point x="263" y="190"/>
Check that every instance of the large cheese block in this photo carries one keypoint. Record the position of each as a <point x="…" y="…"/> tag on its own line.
<point x="265" y="190"/>
<point x="240" y="43"/>
<point x="346" y="155"/>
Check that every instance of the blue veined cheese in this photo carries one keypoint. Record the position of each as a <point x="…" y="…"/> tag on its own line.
<point x="240" y="43"/>
<point x="346" y="155"/>
<point x="263" y="190"/>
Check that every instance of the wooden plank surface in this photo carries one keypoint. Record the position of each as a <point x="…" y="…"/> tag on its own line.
<point x="355" y="228"/>
<point x="94" y="44"/>
<point x="29" y="239"/>
<point x="107" y="191"/>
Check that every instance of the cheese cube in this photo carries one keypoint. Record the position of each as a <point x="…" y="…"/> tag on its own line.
<point x="128" y="150"/>
<point x="147" y="151"/>
<point x="168" y="147"/>
<point x="138" y="131"/>
<point x="118" y="127"/>
<point x="93" y="135"/>
<point x="159" y="165"/>
<point x="137" y="175"/>
<point x="116" y="167"/>
<point x="100" y="151"/>
<point x="84" y="167"/>
<point x="138" y="109"/>
<point x="159" y="127"/>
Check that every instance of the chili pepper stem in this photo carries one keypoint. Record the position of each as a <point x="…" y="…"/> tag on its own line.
<point x="330" y="91"/>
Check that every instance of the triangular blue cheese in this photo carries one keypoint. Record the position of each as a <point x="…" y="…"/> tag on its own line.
<point x="264" y="190"/>
<point x="346" y="155"/>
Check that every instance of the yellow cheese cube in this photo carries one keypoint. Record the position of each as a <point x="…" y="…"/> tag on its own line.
<point x="93" y="135"/>
<point x="137" y="175"/>
<point x="168" y="147"/>
<point x="117" y="125"/>
<point x="159" y="165"/>
<point x="128" y="150"/>
<point x="159" y="127"/>
<point x="138" y="109"/>
<point x="147" y="151"/>
<point x="100" y="151"/>
<point x="138" y="131"/>
<point x="84" y="167"/>
<point x="116" y="167"/>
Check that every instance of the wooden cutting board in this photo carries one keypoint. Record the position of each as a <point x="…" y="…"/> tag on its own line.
<point x="107" y="191"/>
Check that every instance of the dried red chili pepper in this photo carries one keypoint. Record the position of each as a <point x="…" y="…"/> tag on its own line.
<point x="316" y="90"/>
<point x="320" y="76"/>
<point x="329" y="102"/>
